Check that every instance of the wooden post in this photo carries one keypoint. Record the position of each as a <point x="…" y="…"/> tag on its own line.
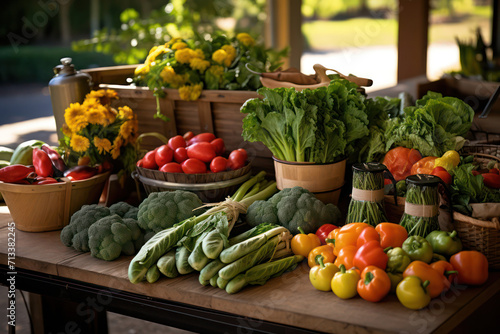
<point x="285" y="29"/>
<point x="412" y="38"/>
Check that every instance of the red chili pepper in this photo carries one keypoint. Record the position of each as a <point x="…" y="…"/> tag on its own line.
<point x="495" y="171"/>
<point x="15" y="173"/>
<point x="42" y="163"/>
<point x="323" y="231"/>
<point x="491" y="180"/>
<point x="370" y="254"/>
<point x="45" y="180"/>
<point x="55" y="158"/>
<point x="474" y="172"/>
<point x="80" y="173"/>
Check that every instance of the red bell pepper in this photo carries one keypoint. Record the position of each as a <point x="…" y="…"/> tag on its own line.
<point x="44" y="180"/>
<point x="15" y="173"/>
<point x="442" y="174"/>
<point x="491" y="180"/>
<point x="323" y="232"/>
<point x="55" y="158"/>
<point x="42" y="163"/>
<point x="370" y="254"/>
<point x="472" y="267"/>
<point x="368" y="234"/>
<point x="80" y="173"/>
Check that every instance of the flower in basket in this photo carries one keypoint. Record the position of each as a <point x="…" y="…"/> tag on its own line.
<point x="95" y="132"/>
<point x="218" y="62"/>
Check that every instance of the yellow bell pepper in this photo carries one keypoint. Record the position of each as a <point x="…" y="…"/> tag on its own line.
<point x="448" y="161"/>
<point x="322" y="274"/>
<point x="303" y="243"/>
<point x="412" y="293"/>
<point x="345" y="283"/>
<point x="325" y="251"/>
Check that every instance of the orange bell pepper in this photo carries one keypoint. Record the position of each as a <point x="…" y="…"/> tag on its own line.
<point x="330" y="238"/>
<point x="303" y="243"/>
<point x="426" y="273"/>
<point x="447" y="271"/>
<point x="472" y="267"/>
<point x="368" y="234"/>
<point x="423" y="166"/>
<point x="325" y="251"/>
<point x="391" y="235"/>
<point x="346" y="257"/>
<point x="348" y="235"/>
<point x="370" y="254"/>
<point x="399" y="161"/>
<point x="374" y="284"/>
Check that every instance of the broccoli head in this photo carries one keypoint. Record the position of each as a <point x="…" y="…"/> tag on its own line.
<point x="75" y="234"/>
<point x="124" y="210"/>
<point x="293" y="208"/>
<point x="108" y="237"/>
<point x="161" y="210"/>
<point x="137" y="235"/>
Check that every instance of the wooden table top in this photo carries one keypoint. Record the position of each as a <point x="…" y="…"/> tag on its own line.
<point x="289" y="299"/>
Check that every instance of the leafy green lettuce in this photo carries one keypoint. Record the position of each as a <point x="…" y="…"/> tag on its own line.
<point x="433" y="126"/>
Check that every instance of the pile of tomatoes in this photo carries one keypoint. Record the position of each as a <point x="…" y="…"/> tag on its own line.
<point x="192" y="154"/>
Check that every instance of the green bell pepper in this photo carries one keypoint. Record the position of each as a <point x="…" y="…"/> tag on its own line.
<point x="438" y="257"/>
<point x="395" y="279"/>
<point x="418" y="248"/>
<point x="444" y="243"/>
<point x="398" y="260"/>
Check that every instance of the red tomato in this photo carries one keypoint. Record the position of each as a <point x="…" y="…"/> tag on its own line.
<point x="149" y="160"/>
<point x="193" y="166"/>
<point x="202" y="137"/>
<point x="188" y="135"/>
<point x="237" y="159"/>
<point x="163" y="155"/>
<point x="176" y="141"/>
<point x="244" y="152"/>
<point x="218" y="164"/>
<point x="180" y="154"/>
<point x="442" y="174"/>
<point x="218" y="145"/>
<point x="202" y="151"/>
<point x="140" y="163"/>
<point x="171" y="167"/>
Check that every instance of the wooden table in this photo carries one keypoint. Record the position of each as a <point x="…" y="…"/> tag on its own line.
<point x="285" y="304"/>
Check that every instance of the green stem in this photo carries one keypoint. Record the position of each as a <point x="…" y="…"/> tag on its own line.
<point x="261" y="195"/>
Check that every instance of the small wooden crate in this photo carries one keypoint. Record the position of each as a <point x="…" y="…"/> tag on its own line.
<point x="48" y="207"/>
<point x="216" y="111"/>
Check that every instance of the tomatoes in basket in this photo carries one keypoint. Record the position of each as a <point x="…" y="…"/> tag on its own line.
<point x="176" y="142"/>
<point x="218" y="164"/>
<point x="203" y="151"/>
<point x="180" y="154"/>
<point x="171" y="167"/>
<point x="193" y="166"/>
<point x="164" y="154"/>
<point x="149" y="160"/>
<point x="188" y="135"/>
<point x="237" y="159"/>
<point x="202" y="137"/>
<point x="218" y="145"/>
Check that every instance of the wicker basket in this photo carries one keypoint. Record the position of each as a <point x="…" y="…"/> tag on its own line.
<point x="210" y="187"/>
<point x="48" y="207"/>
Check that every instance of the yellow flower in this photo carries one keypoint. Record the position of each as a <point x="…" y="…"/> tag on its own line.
<point x="154" y="53"/>
<point x="179" y="46"/>
<point x="191" y="92"/>
<point x="102" y="144"/>
<point x="79" y="143"/>
<point x="72" y="112"/>
<point x="96" y="116"/>
<point x="127" y="129"/>
<point x="91" y="102"/>
<point x="231" y="54"/>
<point x="173" y="41"/>
<point x="125" y="112"/>
<point x="216" y="71"/>
<point x="199" y="64"/>
<point x="183" y="56"/>
<point x="219" y="56"/>
<point x="66" y="130"/>
<point x="173" y="79"/>
<point x="198" y="53"/>
<point x="117" y="144"/>
<point x="103" y="96"/>
<point x="245" y="39"/>
<point x="142" y="69"/>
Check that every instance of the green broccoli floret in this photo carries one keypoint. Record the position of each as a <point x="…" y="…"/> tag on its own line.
<point x="137" y="235"/>
<point x="161" y="210"/>
<point x="109" y="237"/>
<point x="124" y="210"/>
<point x="75" y="234"/>
<point x="294" y="207"/>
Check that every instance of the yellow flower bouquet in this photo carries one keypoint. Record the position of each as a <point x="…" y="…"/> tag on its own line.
<point x="215" y="62"/>
<point x="95" y="132"/>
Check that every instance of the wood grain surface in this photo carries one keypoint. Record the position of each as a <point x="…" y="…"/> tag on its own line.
<point x="289" y="299"/>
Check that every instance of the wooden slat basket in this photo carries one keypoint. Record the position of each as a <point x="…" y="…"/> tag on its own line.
<point x="48" y="207"/>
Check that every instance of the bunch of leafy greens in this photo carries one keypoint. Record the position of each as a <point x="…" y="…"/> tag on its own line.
<point x="322" y="125"/>
<point x="469" y="188"/>
<point x="436" y="124"/>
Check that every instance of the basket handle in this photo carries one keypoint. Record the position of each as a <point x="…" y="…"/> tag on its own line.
<point x="323" y="77"/>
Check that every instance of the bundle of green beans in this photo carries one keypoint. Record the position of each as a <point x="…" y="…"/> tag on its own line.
<point x="421" y="195"/>
<point x="370" y="212"/>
